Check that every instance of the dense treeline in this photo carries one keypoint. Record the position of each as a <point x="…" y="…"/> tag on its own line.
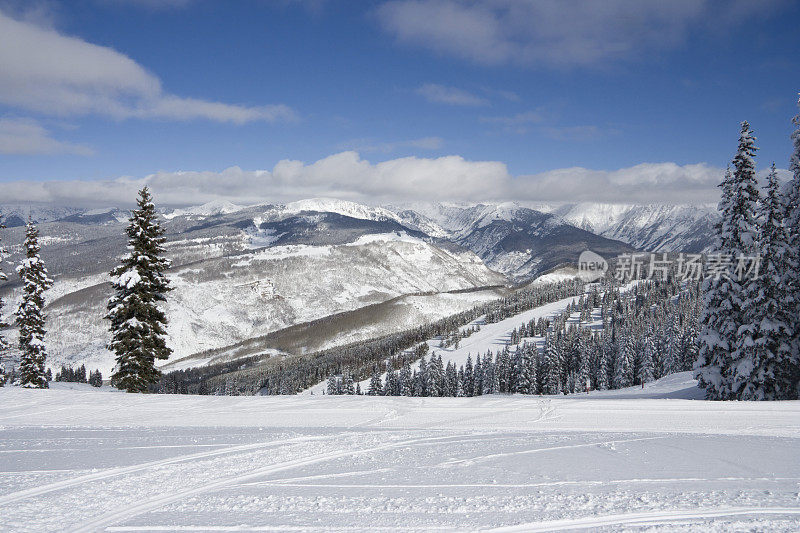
<point x="616" y="340"/>
<point x="68" y="374"/>
<point x="293" y="374"/>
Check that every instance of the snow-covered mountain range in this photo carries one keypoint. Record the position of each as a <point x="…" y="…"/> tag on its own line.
<point x="244" y="272"/>
<point x="651" y="227"/>
<point x="516" y="240"/>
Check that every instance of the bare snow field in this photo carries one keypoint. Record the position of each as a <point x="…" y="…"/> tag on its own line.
<point x="77" y="459"/>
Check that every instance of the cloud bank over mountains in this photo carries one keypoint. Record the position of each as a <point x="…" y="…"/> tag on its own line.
<point x="347" y="175"/>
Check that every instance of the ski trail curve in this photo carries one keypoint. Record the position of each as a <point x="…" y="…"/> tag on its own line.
<point x="105" y="474"/>
<point x="159" y="501"/>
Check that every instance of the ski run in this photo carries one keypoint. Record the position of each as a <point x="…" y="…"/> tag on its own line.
<point x="490" y="337"/>
<point x="76" y="458"/>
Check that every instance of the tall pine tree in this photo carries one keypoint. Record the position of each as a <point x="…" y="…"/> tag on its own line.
<point x="3" y="342"/>
<point x="765" y="339"/>
<point x="723" y="369"/>
<point x="375" y="386"/>
<point x="140" y="284"/>
<point x="792" y="274"/>
<point x="30" y="318"/>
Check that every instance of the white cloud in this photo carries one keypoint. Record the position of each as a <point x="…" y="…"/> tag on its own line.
<point x="643" y="183"/>
<point x="346" y="175"/>
<point x="557" y="33"/>
<point x="46" y="72"/>
<point x="442" y="94"/>
<point x="22" y="136"/>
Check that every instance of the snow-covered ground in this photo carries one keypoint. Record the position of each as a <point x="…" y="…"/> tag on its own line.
<point x="81" y="459"/>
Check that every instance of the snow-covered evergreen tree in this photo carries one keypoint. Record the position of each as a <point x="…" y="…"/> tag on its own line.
<point x="689" y="346"/>
<point x="724" y="369"/>
<point x="30" y="318"/>
<point x="450" y="379"/>
<point x="375" y="386"/>
<point x="468" y="381"/>
<point x="716" y="336"/>
<point x="533" y="369"/>
<point x="435" y="376"/>
<point x="392" y="385"/>
<point x="494" y="379"/>
<point x="765" y="368"/>
<point x="421" y="378"/>
<point x="96" y="379"/>
<point x="140" y="284"/>
<point x="605" y="369"/>
<point x="745" y="232"/>
<point x="3" y="277"/>
<point x="623" y="368"/>
<point x="792" y="274"/>
<point x="332" y="387"/>
<point x="551" y="366"/>
<point x="349" y="387"/>
<point x="646" y="370"/>
<point x="522" y="377"/>
<point x="406" y="380"/>
<point x="477" y="377"/>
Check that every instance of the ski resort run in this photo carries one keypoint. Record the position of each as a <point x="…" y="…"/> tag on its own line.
<point x="496" y="336"/>
<point x="76" y="459"/>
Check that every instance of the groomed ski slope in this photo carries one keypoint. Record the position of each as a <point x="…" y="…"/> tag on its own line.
<point x="80" y="459"/>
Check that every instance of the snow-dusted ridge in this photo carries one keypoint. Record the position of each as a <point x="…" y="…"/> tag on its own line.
<point x="341" y="207"/>
<point x="215" y="207"/>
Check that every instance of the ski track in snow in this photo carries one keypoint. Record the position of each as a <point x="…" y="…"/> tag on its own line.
<point x="90" y="460"/>
<point x="645" y="519"/>
<point x="16" y="496"/>
<point x="158" y="501"/>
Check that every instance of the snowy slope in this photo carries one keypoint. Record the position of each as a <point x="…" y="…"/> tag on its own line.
<point x="90" y="460"/>
<point x="393" y="316"/>
<point x="341" y="207"/>
<point x="495" y="336"/>
<point x="492" y="337"/>
<point x="225" y="299"/>
<point x="243" y="272"/>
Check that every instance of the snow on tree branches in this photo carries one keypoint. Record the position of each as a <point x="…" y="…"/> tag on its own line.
<point x="748" y="346"/>
<point x="30" y="318"/>
<point x="3" y="342"/>
<point x="792" y="274"/>
<point x="140" y="284"/>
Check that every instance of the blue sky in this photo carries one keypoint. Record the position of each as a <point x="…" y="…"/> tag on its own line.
<point x="645" y="98"/>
